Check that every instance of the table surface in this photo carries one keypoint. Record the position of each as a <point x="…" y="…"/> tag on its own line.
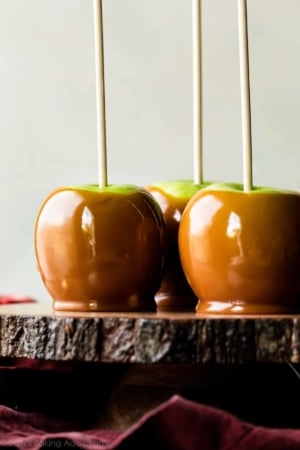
<point x="35" y="331"/>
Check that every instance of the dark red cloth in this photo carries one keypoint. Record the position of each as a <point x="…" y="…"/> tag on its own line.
<point x="177" y="424"/>
<point x="11" y="299"/>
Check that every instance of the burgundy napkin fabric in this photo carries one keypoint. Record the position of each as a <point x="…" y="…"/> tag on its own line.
<point x="35" y="364"/>
<point x="10" y="299"/>
<point x="33" y="431"/>
<point x="177" y="424"/>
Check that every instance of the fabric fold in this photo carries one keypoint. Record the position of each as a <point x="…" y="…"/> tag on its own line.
<point x="177" y="424"/>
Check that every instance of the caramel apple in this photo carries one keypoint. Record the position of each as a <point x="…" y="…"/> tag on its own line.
<point x="172" y="197"/>
<point x="101" y="249"/>
<point x="240" y="250"/>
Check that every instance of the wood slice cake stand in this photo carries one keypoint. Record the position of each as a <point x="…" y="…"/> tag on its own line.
<point x="106" y="370"/>
<point x="35" y="331"/>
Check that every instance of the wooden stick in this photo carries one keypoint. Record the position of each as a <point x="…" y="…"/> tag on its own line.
<point x="197" y="93"/>
<point x="100" y="94"/>
<point x="245" y="95"/>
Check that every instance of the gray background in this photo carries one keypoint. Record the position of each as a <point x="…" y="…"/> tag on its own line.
<point x="47" y="103"/>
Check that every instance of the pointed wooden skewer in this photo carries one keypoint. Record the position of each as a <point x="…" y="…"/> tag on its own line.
<point x="245" y="96"/>
<point x="100" y="94"/>
<point x="197" y="93"/>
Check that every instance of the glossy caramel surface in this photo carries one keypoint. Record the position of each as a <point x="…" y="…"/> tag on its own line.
<point x="100" y="251"/>
<point x="175" y="292"/>
<point x="241" y="251"/>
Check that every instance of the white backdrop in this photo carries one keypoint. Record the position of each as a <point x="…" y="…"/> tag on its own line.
<point x="47" y="103"/>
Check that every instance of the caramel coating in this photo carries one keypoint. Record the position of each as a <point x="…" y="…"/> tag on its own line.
<point x="100" y="251"/>
<point x="175" y="292"/>
<point x="241" y="251"/>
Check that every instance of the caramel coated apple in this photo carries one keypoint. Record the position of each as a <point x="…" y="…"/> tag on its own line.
<point x="241" y="251"/>
<point x="101" y="249"/>
<point x="175" y="292"/>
